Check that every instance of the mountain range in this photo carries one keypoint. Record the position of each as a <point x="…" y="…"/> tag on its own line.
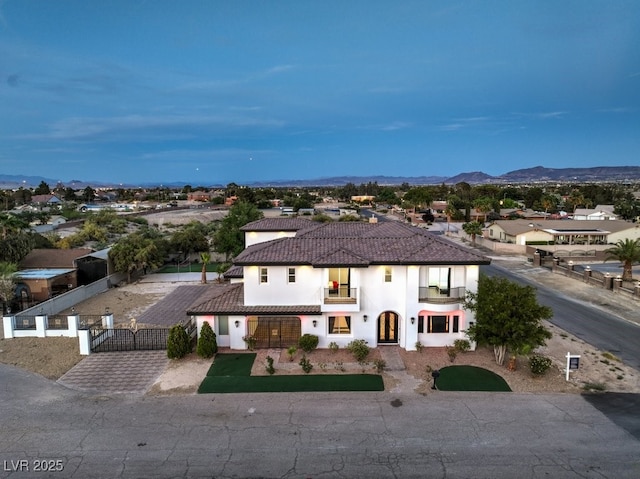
<point x="538" y="174"/>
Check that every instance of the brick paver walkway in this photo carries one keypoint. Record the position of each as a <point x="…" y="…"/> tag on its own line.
<point x="127" y="372"/>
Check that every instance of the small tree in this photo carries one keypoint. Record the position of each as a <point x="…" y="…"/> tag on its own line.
<point x="207" y="344"/>
<point x="178" y="342"/>
<point x="507" y="316"/>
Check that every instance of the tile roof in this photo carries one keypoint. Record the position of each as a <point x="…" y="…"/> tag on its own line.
<point x="359" y="245"/>
<point x="229" y="299"/>
<point x="288" y="223"/>
<point x="516" y="227"/>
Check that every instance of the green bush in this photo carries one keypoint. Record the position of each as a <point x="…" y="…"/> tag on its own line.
<point x="308" y="342"/>
<point x="207" y="344"/>
<point x="306" y="365"/>
<point x="269" y="367"/>
<point x="359" y="349"/>
<point x="462" y="345"/>
<point x="178" y="343"/>
<point x="333" y="347"/>
<point x="539" y="364"/>
<point x="291" y="351"/>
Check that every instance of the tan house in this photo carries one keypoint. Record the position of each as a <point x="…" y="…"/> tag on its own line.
<point x="561" y="232"/>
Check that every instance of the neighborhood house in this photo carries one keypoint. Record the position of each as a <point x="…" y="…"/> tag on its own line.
<point x="386" y="283"/>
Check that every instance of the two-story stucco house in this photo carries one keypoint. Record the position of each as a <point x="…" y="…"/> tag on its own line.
<point x="386" y="283"/>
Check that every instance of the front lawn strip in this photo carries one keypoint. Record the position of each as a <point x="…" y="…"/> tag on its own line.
<point x="230" y="373"/>
<point x="470" y="378"/>
<point x="289" y="383"/>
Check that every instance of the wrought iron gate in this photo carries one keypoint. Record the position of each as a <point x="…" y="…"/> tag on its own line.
<point x="143" y="339"/>
<point x="275" y="332"/>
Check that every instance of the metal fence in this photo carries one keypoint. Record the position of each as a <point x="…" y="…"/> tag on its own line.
<point x="24" y="322"/>
<point x="137" y="339"/>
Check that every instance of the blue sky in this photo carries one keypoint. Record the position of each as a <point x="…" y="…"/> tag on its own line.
<point x="217" y="91"/>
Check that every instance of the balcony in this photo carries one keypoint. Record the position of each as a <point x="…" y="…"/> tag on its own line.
<point x="437" y="295"/>
<point x="340" y="295"/>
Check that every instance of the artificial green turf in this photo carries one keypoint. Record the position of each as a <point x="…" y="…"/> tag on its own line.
<point x="232" y="364"/>
<point x="470" y="378"/>
<point x="297" y="383"/>
<point x="231" y="373"/>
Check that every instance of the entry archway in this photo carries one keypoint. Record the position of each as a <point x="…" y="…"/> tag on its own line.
<point x="388" y="328"/>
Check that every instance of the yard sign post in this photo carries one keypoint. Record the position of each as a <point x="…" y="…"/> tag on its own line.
<point x="573" y="363"/>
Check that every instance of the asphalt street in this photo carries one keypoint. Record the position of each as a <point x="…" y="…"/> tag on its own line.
<point x="596" y="326"/>
<point x="332" y="435"/>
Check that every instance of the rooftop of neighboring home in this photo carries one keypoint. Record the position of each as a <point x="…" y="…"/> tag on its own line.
<point x="53" y="258"/>
<point x="42" y="273"/>
<point x="515" y="227"/>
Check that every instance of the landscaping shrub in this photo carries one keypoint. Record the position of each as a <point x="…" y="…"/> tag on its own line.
<point x="308" y="342"/>
<point x="207" y="344"/>
<point x="178" y="343"/>
<point x="306" y="365"/>
<point x="539" y="364"/>
<point x="291" y="351"/>
<point x="333" y="347"/>
<point x="379" y="364"/>
<point x="359" y="349"/>
<point x="462" y="345"/>
<point x="269" y="366"/>
<point x="452" y="352"/>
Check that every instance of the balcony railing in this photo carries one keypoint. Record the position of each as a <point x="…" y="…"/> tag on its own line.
<point x="436" y="295"/>
<point x="340" y="295"/>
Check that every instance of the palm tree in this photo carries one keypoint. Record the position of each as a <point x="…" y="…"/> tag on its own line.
<point x="205" y="257"/>
<point x="626" y="251"/>
<point x="473" y="229"/>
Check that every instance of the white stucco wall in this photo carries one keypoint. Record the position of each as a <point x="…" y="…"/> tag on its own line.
<point x="254" y="237"/>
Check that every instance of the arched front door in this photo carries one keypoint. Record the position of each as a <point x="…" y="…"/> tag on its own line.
<point x="388" y="328"/>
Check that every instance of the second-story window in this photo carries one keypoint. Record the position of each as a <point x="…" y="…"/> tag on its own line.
<point x="387" y="274"/>
<point x="264" y="275"/>
<point x="291" y="275"/>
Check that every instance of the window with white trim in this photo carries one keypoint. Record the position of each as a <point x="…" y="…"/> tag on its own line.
<point x="264" y="275"/>
<point x="339" y="324"/>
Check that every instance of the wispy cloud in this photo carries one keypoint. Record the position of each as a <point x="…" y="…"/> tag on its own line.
<point x="160" y="126"/>
<point x="542" y="115"/>
<point x="219" y="84"/>
<point x="396" y="125"/>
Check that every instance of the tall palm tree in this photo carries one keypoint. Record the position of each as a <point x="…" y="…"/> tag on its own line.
<point x="626" y="251"/>
<point x="205" y="257"/>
